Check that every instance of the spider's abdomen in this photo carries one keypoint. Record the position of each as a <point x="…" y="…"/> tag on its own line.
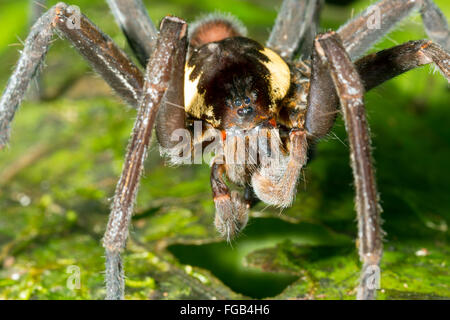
<point x="235" y="82"/>
<point x="215" y="27"/>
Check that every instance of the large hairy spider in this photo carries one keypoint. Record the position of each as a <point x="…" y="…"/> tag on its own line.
<point x="279" y="98"/>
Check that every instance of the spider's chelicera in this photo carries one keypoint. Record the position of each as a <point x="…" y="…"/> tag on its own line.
<point x="257" y="108"/>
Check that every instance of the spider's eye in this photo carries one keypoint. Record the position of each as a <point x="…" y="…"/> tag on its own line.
<point x="237" y="103"/>
<point x="247" y="100"/>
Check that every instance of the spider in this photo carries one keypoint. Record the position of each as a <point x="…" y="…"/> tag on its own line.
<point x="287" y="92"/>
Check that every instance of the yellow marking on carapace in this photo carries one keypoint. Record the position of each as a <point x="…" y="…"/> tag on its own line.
<point x="194" y="103"/>
<point x="280" y="75"/>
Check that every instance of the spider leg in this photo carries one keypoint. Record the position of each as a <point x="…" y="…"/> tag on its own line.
<point x="171" y="114"/>
<point x="172" y="42"/>
<point x="139" y="29"/>
<point x="322" y="100"/>
<point x="37" y="10"/>
<point x="359" y="34"/>
<point x="231" y="208"/>
<point x="379" y="67"/>
<point x="275" y="183"/>
<point x="350" y="91"/>
<point x="295" y="28"/>
<point x="96" y="47"/>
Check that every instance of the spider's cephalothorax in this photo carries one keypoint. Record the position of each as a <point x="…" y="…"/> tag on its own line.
<point x="286" y="92"/>
<point x="235" y="82"/>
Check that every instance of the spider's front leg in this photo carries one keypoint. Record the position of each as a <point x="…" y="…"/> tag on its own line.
<point x="167" y="58"/>
<point x="329" y="50"/>
<point x="95" y="47"/>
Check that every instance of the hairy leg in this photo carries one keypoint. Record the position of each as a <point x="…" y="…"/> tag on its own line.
<point x="362" y="32"/>
<point x="172" y="40"/>
<point x="295" y="28"/>
<point x="137" y="26"/>
<point x="358" y="35"/>
<point x="275" y="182"/>
<point x="171" y="115"/>
<point x="322" y="100"/>
<point x="351" y="91"/>
<point x="37" y="9"/>
<point x="231" y="208"/>
<point x="96" y="47"/>
<point x="373" y="70"/>
<point x="379" y="67"/>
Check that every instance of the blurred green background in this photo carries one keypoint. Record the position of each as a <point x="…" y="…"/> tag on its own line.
<point x="58" y="175"/>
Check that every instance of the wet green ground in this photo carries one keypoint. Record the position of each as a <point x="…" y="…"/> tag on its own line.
<point x="66" y="153"/>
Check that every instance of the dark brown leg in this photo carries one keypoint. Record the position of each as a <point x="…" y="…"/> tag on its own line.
<point x="102" y="54"/>
<point x="96" y="47"/>
<point x="373" y="70"/>
<point x="322" y="100"/>
<point x="295" y="28"/>
<point x="358" y="35"/>
<point x="231" y="209"/>
<point x="137" y="26"/>
<point x="379" y="67"/>
<point x="363" y="31"/>
<point x="350" y="91"/>
<point x="171" y="115"/>
<point x="172" y="39"/>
